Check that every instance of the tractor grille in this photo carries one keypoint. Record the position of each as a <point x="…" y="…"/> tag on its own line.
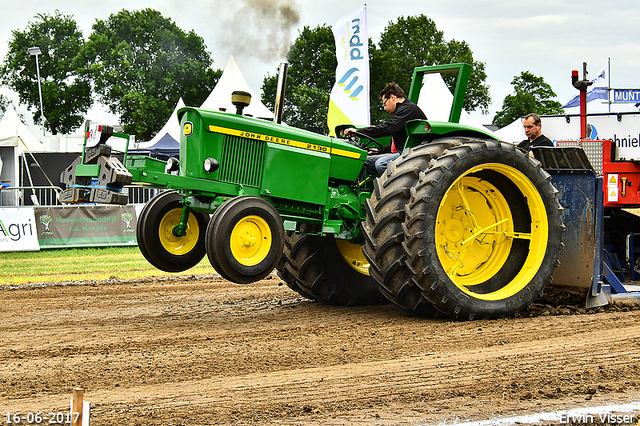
<point x="243" y="160"/>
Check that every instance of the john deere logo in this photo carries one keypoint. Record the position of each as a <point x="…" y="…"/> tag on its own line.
<point x="188" y="128"/>
<point x="348" y="81"/>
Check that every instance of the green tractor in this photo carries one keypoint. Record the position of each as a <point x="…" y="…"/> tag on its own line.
<point x="460" y="224"/>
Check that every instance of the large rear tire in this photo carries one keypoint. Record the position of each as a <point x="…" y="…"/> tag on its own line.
<point x="383" y="229"/>
<point x="483" y="232"/>
<point x="156" y="240"/>
<point x="327" y="270"/>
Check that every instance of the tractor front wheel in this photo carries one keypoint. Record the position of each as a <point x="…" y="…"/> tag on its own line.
<point x="244" y="239"/>
<point x="157" y="241"/>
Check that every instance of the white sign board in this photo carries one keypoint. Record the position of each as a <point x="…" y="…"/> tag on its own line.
<point x="623" y="129"/>
<point x="93" y="134"/>
<point x="626" y="95"/>
<point x="18" y="230"/>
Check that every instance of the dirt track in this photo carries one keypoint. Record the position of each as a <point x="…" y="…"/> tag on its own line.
<point x="204" y="351"/>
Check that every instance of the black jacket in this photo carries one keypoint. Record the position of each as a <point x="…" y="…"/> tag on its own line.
<point x="541" y="140"/>
<point x="394" y="127"/>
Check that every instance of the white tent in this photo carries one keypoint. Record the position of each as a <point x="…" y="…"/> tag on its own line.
<point x="230" y="81"/>
<point x="171" y="128"/>
<point x="11" y="125"/>
<point x="513" y="132"/>
<point x="9" y="168"/>
<point x="435" y="100"/>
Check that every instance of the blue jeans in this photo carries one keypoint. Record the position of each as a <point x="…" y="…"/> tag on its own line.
<point x="377" y="163"/>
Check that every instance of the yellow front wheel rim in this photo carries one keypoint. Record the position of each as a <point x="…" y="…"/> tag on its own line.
<point x="475" y="233"/>
<point x="178" y="245"/>
<point x="353" y="255"/>
<point x="251" y="240"/>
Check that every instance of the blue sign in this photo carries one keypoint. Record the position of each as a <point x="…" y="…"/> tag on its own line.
<point x="626" y="95"/>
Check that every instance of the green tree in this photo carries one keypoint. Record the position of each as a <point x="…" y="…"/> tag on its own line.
<point x="532" y="94"/>
<point x="411" y="42"/>
<point x="416" y="41"/>
<point x="142" y="63"/>
<point x="312" y="60"/>
<point x="66" y="94"/>
<point x="4" y="104"/>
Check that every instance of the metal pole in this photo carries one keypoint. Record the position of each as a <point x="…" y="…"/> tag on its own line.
<point x="609" y="83"/>
<point x="583" y="105"/>
<point x="35" y="51"/>
<point x="40" y="93"/>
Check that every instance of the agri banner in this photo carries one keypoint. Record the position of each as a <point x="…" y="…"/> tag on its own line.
<point x="349" y="101"/>
<point x="86" y="226"/>
<point x="18" y="230"/>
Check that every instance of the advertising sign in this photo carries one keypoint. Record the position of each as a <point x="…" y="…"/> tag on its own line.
<point x="349" y="99"/>
<point x="85" y="226"/>
<point x="622" y="128"/>
<point x="626" y="95"/>
<point x="18" y="230"/>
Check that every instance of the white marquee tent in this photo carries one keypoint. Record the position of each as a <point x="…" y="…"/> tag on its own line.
<point x="220" y="97"/>
<point x="435" y="100"/>
<point x="12" y="125"/>
<point x="230" y="81"/>
<point x="171" y="128"/>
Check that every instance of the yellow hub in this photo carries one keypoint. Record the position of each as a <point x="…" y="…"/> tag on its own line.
<point x="178" y="245"/>
<point x="250" y="240"/>
<point x="353" y="255"/>
<point x="475" y="232"/>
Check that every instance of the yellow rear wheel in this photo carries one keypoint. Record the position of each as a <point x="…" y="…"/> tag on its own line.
<point x="353" y="255"/>
<point x="384" y="228"/>
<point x="327" y="269"/>
<point x="482" y="231"/>
<point x="475" y="232"/>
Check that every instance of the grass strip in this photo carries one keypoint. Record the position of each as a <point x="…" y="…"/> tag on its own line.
<point x="83" y="264"/>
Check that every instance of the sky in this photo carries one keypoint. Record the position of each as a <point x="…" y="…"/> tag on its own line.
<point x="548" y="38"/>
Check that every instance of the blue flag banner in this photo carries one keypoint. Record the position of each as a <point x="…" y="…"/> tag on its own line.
<point x="599" y="89"/>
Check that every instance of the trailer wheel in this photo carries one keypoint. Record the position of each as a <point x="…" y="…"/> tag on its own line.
<point x="244" y="239"/>
<point x="316" y="268"/>
<point x="156" y="240"/>
<point x="383" y="229"/>
<point x="482" y="232"/>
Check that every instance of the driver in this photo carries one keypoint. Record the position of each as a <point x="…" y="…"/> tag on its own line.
<point x="403" y="110"/>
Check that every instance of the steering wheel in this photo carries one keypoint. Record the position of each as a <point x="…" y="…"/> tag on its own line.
<point x="361" y="136"/>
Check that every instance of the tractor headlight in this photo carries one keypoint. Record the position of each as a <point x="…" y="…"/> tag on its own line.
<point x="173" y="165"/>
<point x="211" y="165"/>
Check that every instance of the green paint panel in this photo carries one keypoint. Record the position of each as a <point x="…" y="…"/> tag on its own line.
<point x="296" y="174"/>
<point x="92" y="170"/>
